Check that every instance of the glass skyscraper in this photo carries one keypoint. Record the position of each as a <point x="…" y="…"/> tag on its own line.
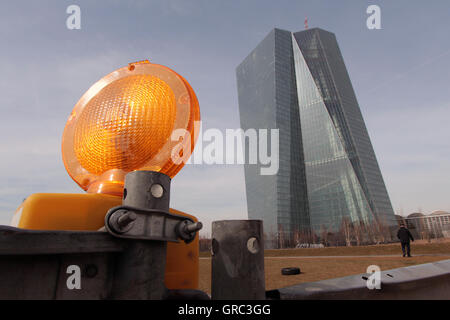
<point x="328" y="176"/>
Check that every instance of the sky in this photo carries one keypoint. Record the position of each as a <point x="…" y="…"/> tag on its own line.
<point x="400" y="74"/>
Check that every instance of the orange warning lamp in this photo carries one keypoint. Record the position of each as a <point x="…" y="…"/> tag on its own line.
<point x="124" y="122"/>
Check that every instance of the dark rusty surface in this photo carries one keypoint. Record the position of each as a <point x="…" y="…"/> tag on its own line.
<point x="126" y="269"/>
<point x="36" y="265"/>
<point x="14" y="241"/>
<point x="39" y="264"/>
<point x="28" y="277"/>
<point x="139" y="273"/>
<point x="94" y="285"/>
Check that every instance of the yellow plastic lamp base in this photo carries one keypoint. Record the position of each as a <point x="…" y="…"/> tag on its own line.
<point x="86" y="212"/>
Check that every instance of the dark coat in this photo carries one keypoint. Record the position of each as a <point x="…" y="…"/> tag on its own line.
<point x="404" y="235"/>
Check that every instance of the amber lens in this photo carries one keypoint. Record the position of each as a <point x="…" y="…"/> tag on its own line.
<point x="125" y="124"/>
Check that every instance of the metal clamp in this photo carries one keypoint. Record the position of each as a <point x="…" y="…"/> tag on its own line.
<point x="150" y="224"/>
<point x="144" y="213"/>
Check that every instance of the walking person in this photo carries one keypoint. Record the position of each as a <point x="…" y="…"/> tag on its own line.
<point x="404" y="236"/>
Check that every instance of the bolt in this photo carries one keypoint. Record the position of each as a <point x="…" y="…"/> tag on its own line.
<point x="186" y="230"/>
<point x="193" y="227"/>
<point x="125" y="219"/>
<point x="157" y="190"/>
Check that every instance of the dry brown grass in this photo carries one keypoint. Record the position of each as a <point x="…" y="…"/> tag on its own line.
<point x="418" y="247"/>
<point x="321" y="268"/>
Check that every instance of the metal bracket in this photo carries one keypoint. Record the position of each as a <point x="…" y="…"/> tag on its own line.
<point x="144" y="213"/>
<point x="150" y="224"/>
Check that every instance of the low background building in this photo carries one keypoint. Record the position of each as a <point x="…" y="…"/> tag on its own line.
<point x="427" y="226"/>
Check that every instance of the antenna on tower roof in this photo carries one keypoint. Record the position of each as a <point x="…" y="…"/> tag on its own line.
<point x="306" y="23"/>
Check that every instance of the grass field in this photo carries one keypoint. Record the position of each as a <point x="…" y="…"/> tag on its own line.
<point x="326" y="263"/>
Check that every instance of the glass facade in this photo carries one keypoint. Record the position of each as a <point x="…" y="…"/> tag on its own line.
<point x="298" y="83"/>
<point x="324" y="60"/>
<point x="256" y="92"/>
<point x="333" y="188"/>
<point x="268" y="100"/>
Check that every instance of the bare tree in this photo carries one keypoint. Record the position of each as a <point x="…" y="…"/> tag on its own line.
<point x="358" y="232"/>
<point x="383" y="230"/>
<point x="380" y="230"/>
<point x="324" y="235"/>
<point x="204" y="243"/>
<point x="346" y="230"/>
<point x="301" y="236"/>
<point x="281" y="237"/>
<point x="371" y="233"/>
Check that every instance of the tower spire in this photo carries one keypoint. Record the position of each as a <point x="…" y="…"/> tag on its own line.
<point x="306" y="23"/>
